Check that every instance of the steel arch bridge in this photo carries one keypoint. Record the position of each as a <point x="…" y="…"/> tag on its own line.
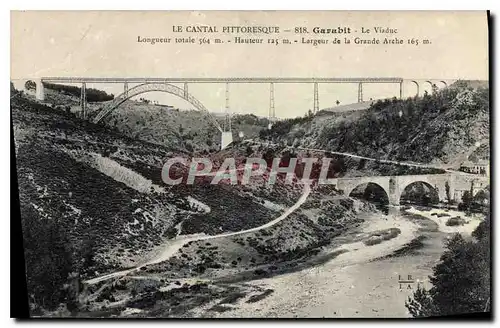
<point x="150" y="87"/>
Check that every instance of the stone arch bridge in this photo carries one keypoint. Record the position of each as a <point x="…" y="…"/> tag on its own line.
<point x="395" y="185"/>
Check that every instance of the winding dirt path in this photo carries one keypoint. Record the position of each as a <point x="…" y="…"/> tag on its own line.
<point x="172" y="246"/>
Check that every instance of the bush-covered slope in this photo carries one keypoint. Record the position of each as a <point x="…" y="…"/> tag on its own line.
<point x="93" y="95"/>
<point x="92" y="200"/>
<point x="433" y="128"/>
<point x="57" y="165"/>
<point x="190" y="130"/>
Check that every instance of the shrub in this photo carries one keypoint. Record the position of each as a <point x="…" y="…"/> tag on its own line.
<point x="260" y="272"/>
<point x="48" y="258"/>
<point x="456" y="221"/>
<point x="372" y="241"/>
<point x="377" y="238"/>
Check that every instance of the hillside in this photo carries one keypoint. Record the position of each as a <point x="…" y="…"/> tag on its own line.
<point x="97" y="182"/>
<point x="66" y="173"/>
<point x="350" y="107"/>
<point x="92" y="202"/>
<point x="162" y="124"/>
<point x="189" y="130"/>
<point x="435" y="128"/>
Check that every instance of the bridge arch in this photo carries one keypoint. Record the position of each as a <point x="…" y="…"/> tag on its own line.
<point x="431" y="85"/>
<point x="445" y="85"/>
<point x="150" y="87"/>
<point x="37" y="86"/>
<point x="367" y="189"/>
<point x="413" y="187"/>
<point x="418" y="87"/>
<point x="30" y="85"/>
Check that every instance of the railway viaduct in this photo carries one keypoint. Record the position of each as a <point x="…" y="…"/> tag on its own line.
<point x="134" y="86"/>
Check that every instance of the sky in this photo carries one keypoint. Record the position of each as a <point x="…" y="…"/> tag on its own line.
<point x="104" y="44"/>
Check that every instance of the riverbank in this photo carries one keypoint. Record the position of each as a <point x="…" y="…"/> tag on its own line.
<point x="441" y="216"/>
<point x="362" y="282"/>
<point x="335" y="287"/>
<point x="349" y="278"/>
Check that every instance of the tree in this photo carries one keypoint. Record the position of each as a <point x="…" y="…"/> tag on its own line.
<point x="48" y="259"/>
<point x="88" y="251"/>
<point x="448" y="194"/>
<point x="461" y="280"/>
<point x="482" y="197"/>
<point x="466" y="201"/>
<point x="436" y="191"/>
<point x="434" y="88"/>
<point x="13" y="90"/>
<point x="421" y="305"/>
<point x="248" y="151"/>
<point x="482" y="231"/>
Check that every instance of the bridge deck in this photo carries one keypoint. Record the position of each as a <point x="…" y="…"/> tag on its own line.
<point x="220" y="80"/>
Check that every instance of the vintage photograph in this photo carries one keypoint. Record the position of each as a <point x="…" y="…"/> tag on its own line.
<point x="257" y="164"/>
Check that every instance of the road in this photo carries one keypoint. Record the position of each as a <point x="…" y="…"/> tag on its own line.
<point x="386" y="161"/>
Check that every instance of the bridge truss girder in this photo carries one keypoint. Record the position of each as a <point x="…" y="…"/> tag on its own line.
<point x="150" y="87"/>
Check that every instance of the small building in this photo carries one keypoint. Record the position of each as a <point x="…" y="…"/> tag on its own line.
<point x="482" y="167"/>
<point x="477" y="187"/>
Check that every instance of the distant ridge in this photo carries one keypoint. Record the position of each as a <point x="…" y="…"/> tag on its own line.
<point x="350" y="107"/>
